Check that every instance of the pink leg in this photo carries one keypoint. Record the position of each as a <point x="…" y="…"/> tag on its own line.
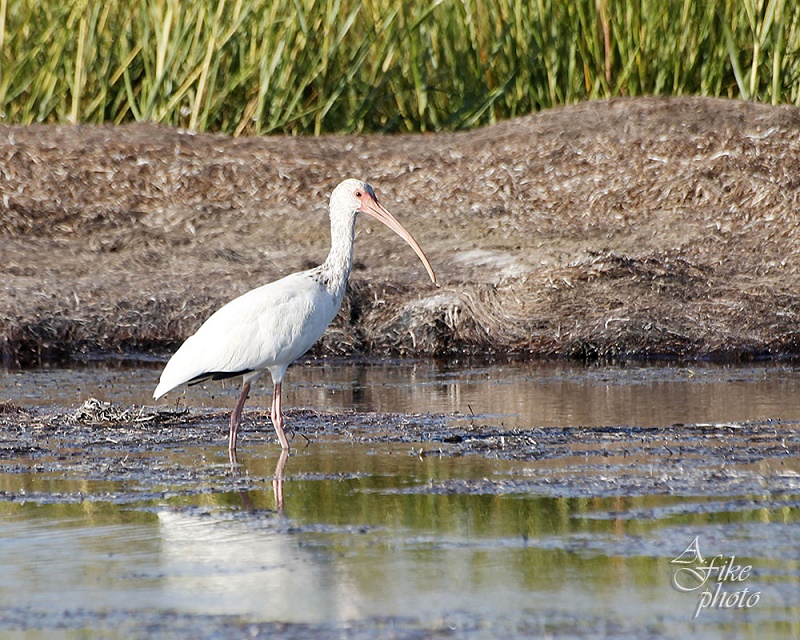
<point x="277" y="416"/>
<point x="236" y="420"/>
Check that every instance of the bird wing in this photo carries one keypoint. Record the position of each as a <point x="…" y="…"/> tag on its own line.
<point x="267" y="327"/>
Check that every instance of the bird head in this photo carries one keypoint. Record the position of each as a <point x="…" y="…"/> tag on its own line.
<point x="350" y="196"/>
<point x="353" y="196"/>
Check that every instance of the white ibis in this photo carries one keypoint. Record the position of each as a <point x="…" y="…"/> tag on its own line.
<point x="268" y="328"/>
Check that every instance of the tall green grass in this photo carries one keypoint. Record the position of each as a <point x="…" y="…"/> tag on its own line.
<point x="311" y="66"/>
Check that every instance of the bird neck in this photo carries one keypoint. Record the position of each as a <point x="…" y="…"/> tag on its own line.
<point x="339" y="263"/>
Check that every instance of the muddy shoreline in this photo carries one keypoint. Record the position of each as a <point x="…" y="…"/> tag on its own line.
<point x="608" y="230"/>
<point x="106" y="441"/>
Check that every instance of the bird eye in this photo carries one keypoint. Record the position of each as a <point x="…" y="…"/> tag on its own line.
<point x="359" y="194"/>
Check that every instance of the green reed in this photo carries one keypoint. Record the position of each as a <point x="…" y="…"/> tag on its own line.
<point x="308" y="66"/>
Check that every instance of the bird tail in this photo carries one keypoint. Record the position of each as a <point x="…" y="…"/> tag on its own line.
<point x="161" y="389"/>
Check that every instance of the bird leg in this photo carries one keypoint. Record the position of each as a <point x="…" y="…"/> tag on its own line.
<point x="277" y="416"/>
<point x="236" y="420"/>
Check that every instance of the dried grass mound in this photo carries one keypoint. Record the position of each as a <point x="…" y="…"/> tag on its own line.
<point x="626" y="228"/>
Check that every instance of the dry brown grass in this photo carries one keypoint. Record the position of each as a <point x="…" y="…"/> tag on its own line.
<point x="630" y="228"/>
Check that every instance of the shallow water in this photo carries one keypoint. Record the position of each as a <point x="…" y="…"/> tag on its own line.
<point x="517" y="395"/>
<point x="372" y="541"/>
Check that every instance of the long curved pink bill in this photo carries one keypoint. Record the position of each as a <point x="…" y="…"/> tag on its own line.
<point x="376" y="210"/>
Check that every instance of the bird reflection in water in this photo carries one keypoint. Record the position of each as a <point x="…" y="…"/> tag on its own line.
<point x="277" y="482"/>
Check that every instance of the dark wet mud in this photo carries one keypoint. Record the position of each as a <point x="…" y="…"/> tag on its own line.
<point x="110" y="442"/>
<point x="584" y="430"/>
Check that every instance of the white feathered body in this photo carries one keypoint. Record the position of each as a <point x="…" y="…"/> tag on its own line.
<point x="265" y="329"/>
<point x="268" y="328"/>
